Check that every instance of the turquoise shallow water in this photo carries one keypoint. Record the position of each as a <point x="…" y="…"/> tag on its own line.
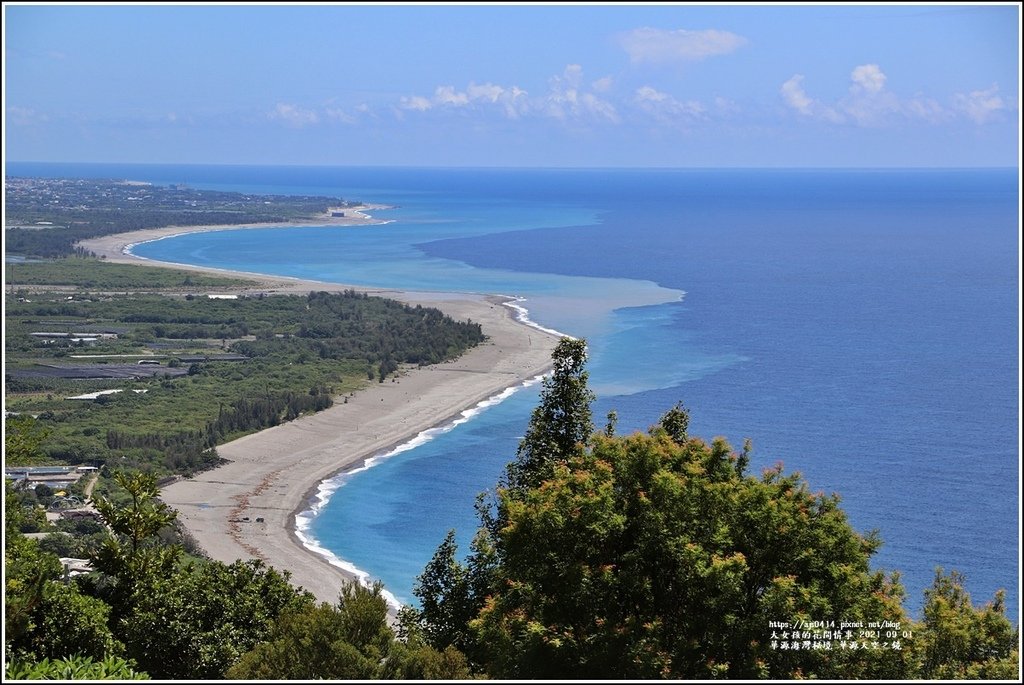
<point x="860" y="326"/>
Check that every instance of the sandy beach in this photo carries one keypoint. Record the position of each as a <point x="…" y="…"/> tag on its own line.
<point x="246" y="508"/>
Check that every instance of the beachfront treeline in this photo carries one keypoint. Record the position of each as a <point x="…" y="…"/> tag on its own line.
<point x="652" y="555"/>
<point x="211" y="369"/>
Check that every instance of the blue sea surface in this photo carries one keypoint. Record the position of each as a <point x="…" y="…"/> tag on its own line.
<point x="861" y="326"/>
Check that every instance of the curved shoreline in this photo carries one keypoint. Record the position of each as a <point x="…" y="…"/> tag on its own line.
<point x="316" y="499"/>
<point x="273" y="475"/>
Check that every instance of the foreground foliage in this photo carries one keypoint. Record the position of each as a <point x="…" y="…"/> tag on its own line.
<point x="658" y="556"/>
<point x="350" y="640"/>
<point x="144" y="613"/>
<point x="74" y="668"/>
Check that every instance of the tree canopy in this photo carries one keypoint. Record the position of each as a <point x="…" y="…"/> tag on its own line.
<point x="657" y="556"/>
<point x="561" y="423"/>
<point x="349" y="640"/>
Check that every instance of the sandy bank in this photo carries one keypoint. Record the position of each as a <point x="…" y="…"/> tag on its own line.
<point x="273" y="473"/>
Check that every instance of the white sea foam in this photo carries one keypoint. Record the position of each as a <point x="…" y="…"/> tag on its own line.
<point x="327" y="488"/>
<point x="523" y="316"/>
<point x="127" y="249"/>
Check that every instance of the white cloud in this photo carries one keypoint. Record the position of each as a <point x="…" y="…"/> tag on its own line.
<point x="920" y="107"/>
<point x="565" y="100"/>
<point x="600" y="108"/>
<point x="571" y="98"/>
<point x="328" y="112"/>
<point x="794" y="95"/>
<point x="648" y="94"/>
<point x="446" y="95"/>
<point x="573" y="75"/>
<point x="294" y="116"/>
<point x="415" y="102"/>
<point x="664" y="107"/>
<point x="868" y="77"/>
<point x="511" y="100"/>
<point x="516" y="102"/>
<point x="869" y="103"/>
<point x="979" y="105"/>
<point x="562" y="96"/>
<point x="659" y="46"/>
<point x="487" y="92"/>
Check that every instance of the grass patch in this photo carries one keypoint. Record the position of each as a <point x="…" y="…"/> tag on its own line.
<point x="97" y="274"/>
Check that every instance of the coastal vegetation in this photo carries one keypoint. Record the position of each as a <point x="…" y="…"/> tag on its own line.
<point x="179" y="375"/>
<point x="651" y="555"/>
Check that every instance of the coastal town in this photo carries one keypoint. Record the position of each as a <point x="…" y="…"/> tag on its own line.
<point x="48" y="202"/>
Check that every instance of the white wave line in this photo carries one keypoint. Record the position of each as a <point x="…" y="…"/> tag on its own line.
<point x="327" y="488"/>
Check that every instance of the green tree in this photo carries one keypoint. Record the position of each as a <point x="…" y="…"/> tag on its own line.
<point x="23" y="440"/>
<point x="676" y="421"/>
<point x="561" y="423"/>
<point x="67" y="623"/>
<point x="446" y="606"/>
<point x="45" y="617"/>
<point x="452" y="594"/>
<point x="196" y="623"/>
<point x="348" y="640"/>
<point x="612" y="420"/>
<point x="27" y="570"/>
<point x="956" y="641"/>
<point x="22" y="513"/>
<point x="644" y="558"/>
<point x="419" y="661"/>
<point x="133" y="557"/>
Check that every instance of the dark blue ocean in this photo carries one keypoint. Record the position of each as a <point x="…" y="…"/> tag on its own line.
<point x="862" y="327"/>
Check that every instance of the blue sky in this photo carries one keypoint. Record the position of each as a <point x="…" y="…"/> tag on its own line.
<point x="923" y="85"/>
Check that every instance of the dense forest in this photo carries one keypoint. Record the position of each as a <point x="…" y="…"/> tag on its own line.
<point x="646" y="556"/>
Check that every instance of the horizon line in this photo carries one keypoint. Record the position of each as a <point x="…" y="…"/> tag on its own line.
<point x="533" y="167"/>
